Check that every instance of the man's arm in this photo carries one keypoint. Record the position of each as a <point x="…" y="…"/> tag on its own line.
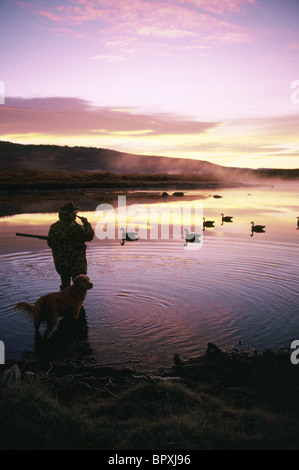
<point x="87" y="230"/>
<point x="51" y="237"/>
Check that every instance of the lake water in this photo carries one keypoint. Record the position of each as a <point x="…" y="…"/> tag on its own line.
<point x="154" y="297"/>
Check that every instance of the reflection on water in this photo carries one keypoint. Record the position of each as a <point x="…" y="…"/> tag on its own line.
<point x="153" y="298"/>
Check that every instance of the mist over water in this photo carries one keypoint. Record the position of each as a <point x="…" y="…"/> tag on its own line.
<point x="154" y="298"/>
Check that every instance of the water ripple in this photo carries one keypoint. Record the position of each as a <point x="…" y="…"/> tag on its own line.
<point x="153" y="299"/>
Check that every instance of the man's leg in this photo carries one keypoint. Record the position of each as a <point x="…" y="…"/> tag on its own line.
<point x="79" y="268"/>
<point x="65" y="280"/>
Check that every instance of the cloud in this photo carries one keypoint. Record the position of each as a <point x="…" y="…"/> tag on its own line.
<point x="293" y="46"/>
<point x="70" y="116"/>
<point x="113" y="59"/>
<point x="73" y="121"/>
<point x="219" y="7"/>
<point x="58" y="103"/>
<point x="273" y="126"/>
<point x="197" y="22"/>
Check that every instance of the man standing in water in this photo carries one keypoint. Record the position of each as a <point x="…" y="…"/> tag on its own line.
<point x="67" y="240"/>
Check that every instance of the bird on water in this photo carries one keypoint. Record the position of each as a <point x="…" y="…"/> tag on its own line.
<point x="208" y="223"/>
<point x="257" y="228"/>
<point x="227" y="218"/>
<point x="191" y="237"/>
<point x="128" y="236"/>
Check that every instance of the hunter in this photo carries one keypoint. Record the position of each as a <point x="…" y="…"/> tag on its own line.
<point x="67" y="238"/>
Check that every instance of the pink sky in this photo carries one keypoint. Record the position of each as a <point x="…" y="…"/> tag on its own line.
<point x="206" y="79"/>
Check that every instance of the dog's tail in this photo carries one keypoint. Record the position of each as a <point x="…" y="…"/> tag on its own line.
<point x="28" y="309"/>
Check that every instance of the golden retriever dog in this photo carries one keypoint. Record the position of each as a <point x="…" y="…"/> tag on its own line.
<point x="65" y="303"/>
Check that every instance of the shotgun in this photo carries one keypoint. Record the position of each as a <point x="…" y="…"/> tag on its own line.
<point x="44" y="237"/>
<point x="41" y="237"/>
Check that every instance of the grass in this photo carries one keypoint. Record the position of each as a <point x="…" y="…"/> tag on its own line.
<point x="31" y="418"/>
<point x="148" y="416"/>
<point x="129" y="413"/>
<point x="39" y="180"/>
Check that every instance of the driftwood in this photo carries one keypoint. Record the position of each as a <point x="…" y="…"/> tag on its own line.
<point x="156" y="378"/>
<point x="72" y="379"/>
<point x="10" y="376"/>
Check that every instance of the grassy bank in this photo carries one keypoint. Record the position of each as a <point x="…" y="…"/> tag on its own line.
<point x="220" y="400"/>
<point x="38" y="191"/>
<point x="17" y="180"/>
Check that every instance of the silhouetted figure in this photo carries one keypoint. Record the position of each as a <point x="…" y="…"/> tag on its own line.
<point x="67" y="240"/>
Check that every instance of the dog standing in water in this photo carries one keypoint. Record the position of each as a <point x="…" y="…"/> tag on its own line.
<point x="65" y="303"/>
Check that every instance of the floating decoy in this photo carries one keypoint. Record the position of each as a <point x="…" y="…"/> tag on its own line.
<point x="227" y="218"/>
<point x="191" y="237"/>
<point x="257" y="228"/>
<point x="244" y="348"/>
<point x="208" y="223"/>
<point x="128" y="236"/>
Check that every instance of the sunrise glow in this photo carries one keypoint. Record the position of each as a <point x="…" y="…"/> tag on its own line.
<point x="202" y="79"/>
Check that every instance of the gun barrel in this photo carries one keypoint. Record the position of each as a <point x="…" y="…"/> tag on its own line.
<point x="41" y="237"/>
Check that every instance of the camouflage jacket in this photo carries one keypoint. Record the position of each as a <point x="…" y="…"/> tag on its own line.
<point x="67" y="240"/>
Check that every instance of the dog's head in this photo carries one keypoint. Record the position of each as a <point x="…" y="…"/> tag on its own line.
<point x="82" y="282"/>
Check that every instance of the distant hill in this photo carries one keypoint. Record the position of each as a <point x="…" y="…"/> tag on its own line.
<point x="64" y="158"/>
<point x="54" y="158"/>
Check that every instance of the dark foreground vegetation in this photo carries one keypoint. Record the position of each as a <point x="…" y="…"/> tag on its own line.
<point x="230" y="401"/>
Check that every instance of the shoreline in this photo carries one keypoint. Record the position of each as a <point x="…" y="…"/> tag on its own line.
<point x="33" y="198"/>
<point x="35" y="201"/>
<point x="45" y="190"/>
<point x="18" y="202"/>
<point x="217" y="401"/>
<point x="26" y="181"/>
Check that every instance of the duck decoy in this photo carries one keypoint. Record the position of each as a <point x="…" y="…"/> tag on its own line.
<point x="191" y="237"/>
<point x="227" y="218"/>
<point x="257" y="228"/>
<point x="128" y="236"/>
<point x="208" y="223"/>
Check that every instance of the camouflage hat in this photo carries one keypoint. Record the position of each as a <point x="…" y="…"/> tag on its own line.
<point x="69" y="207"/>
